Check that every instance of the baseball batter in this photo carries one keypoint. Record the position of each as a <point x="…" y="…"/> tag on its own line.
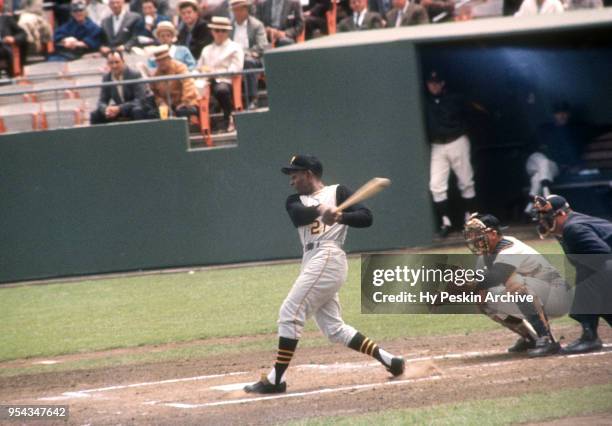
<point x="322" y="230"/>
<point x="513" y="266"/>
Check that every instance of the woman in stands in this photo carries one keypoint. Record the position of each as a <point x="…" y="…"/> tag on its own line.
<point x="165" y="33"/>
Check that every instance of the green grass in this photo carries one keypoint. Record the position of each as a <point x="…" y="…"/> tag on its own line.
<point x="531" y="407"/>
<point x="102" y="314"/>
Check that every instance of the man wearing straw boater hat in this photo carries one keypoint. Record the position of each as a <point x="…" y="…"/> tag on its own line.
<point x="179" y="95"/>
<point x="222" y="55"/>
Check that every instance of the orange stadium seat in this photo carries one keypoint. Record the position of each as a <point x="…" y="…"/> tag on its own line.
<point x="331" y="16"/>
<point x="204" y="102"/>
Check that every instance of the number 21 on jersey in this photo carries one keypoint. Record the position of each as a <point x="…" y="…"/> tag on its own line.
<point x="317" y="227"/>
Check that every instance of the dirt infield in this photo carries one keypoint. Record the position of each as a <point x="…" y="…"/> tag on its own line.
<point x="322" y="382"/>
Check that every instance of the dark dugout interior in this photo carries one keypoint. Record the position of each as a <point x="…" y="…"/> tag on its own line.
<point x="514" y="82"/>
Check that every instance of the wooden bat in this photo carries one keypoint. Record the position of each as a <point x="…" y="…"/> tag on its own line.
<point x="369" y="189"/>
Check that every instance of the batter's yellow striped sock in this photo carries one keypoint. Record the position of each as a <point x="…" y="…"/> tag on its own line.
<point x="286" y="349"/>
<point x="367" y="346"/>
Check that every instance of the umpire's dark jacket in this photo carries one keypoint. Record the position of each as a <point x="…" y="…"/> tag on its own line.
<point x="586" y="235"/>
<point x="133" y="94"/>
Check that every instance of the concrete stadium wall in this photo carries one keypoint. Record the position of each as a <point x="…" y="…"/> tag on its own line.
<point x="131" y="196"/>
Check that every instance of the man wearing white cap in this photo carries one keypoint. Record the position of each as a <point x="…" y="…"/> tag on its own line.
<point x="223" y="55"/>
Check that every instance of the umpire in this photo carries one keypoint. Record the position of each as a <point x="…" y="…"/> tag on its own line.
<point x="587" y="242"/>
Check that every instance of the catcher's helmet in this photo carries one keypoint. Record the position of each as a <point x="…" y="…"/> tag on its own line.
<point x="545" y="210"/>
<point x="475" y="232"/>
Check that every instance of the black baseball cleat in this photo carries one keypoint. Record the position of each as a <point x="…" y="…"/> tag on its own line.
<point x="522" y="345"/>
<point x="264" y="386"/>
<point x="583" y="345"/>
<point x="544" y="346"/>
<point x="397" y="366"/>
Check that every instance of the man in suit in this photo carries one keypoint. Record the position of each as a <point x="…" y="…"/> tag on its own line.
<point x="193" y="31"/>
<point x="283" y="19"/>
<point x="405" y="13"/>
<point x="11" y="34"/>
<point x="122" y="101"/>
<point x="361" y="19"/>
<point x="250" y="33"/>
<point x="120" y="28"/>
<point x="316" y="18"/>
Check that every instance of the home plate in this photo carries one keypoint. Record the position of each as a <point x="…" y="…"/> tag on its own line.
<point x="46" y="362"/>
<point x="232" y="387"/>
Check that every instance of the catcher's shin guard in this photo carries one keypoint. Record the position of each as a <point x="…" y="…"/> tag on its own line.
<point x="515" y="324"/>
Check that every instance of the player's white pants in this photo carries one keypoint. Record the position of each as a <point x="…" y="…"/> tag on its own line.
<point x="315" y="292"/>
<point x="539" y="168"/>
<point x="555" y="298"/>
<point x="454" y="155"/>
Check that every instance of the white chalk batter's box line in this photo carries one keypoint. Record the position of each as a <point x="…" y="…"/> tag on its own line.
<point x="86" y="393"/>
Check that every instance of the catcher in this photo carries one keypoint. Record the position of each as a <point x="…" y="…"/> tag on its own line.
<point x="514" y="267"/>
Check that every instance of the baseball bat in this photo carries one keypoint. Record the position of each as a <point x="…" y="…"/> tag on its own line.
<point x="369" y="189"/>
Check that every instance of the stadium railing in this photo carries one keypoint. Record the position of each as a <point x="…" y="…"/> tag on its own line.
<point x="54" y="101"/>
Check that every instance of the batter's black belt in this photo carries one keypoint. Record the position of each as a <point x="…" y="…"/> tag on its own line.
<point x="318" y="244"/>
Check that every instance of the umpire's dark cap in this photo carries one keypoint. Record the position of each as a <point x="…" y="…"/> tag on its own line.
<point x="561" y="106"/>
<point x="304" y="162"/>
<point x="557" y="202"/>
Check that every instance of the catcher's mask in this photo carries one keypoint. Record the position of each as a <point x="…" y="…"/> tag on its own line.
<point x="475" y="232"/>
<point x="545" y="210"/>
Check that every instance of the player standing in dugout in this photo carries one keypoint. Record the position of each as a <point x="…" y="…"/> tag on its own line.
<point x="322" y="230"/>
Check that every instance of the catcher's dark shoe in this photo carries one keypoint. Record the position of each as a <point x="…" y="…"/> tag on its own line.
<point x="397" y="366"/>
<point x="582" y="345"/>
<point x="264" y="386"/>
<point x="522" y="345"/>
<point x="544" y="346"/>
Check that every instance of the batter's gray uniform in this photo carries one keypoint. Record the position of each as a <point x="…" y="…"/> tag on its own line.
<point x="324" y="267"/>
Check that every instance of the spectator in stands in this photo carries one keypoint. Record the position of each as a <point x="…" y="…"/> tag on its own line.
<point x="149" y="22"/>
<point x="405" y="13"/>
<point x="193" y="31"/>
<point x="361" y="19"/>
<point x="11" y="35"/>
<point x="439" y="10"/>
<point x="165" y="34"/>
<point x="179" y="95"/>
<point x="121" y="102"/>
<point x="33" y="22"/>
<point x="250" y="33"/>
<point x="222" y="55"/>
<point x="97" y="10"/>
<point x="382" y="7"/>
<point x="315" y="18"/>
<point x="283" y="19"/>
<point x="585" y="4"/>
<point x="558" y="152"/>
<point x="540" y="7"/>
<point x="162" y="7"/>
<point x="77" y="36"/>
<point x="121" y="28"/>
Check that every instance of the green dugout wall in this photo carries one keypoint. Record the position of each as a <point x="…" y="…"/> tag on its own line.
<point x="131" y="196"/>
